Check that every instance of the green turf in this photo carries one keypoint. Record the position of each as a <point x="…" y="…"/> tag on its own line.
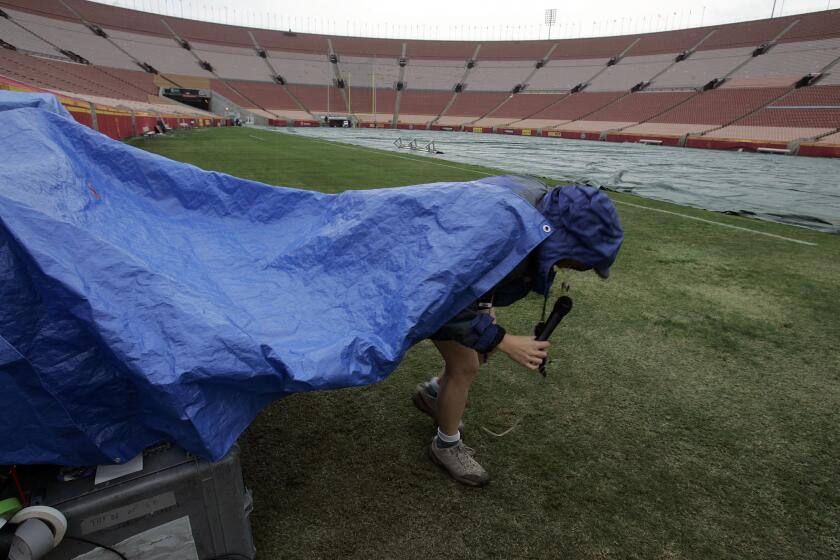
<point x="691" y="410"/>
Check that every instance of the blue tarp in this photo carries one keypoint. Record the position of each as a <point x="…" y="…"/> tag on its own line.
<point x="143" y="299"/>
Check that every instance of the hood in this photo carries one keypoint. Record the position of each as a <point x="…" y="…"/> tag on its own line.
<point x="586" y="229"/>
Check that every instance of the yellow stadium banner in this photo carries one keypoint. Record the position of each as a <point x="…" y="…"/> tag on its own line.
<point x="478" y="129"/>
<point x="553" y="133"/>
<point x="526" y="132"/>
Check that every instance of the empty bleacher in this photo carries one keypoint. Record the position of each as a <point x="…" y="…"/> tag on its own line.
<point x="803" y="113"/>
<point x="421" y="106"/>
<point x="367" y="101"/>
<point x="364" y="71"/>
<point x="79" y="78"/>
<point x="514" y="50"/>
<point x="595" y="47"/>
<point x="469" y="106"/>
<point x="235" y="63"/>
<point x="785" y="63"/>
<point x="523" y="105"/>
<point x="498" y="75"/>
<point x="640" y="106"/>
<point x="434" y="74"/>
<point x="266" y="95"/>
<point x="702" y="67"/>
<point x="368" y="47"/>
<point x="630" y="71"/>
<point x="302" y="68"/>
<point x="73" y="37"/>
<point x="756" y="101"/>
<point x="321" y="99"/>
<point x="569" y="108"/>
<point x="745" y="34"/>
<point x="440" y="50"/>
<point x="814" y="26"/>
<point x="563" y="75"/>
<point x="668" y="42"/>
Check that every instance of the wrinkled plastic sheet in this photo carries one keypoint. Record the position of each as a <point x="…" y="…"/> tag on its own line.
<point x="801" y="191"/>
<point x="143" y="299"/>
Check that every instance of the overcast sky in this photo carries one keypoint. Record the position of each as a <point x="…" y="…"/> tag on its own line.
<point x="488" y="19"/>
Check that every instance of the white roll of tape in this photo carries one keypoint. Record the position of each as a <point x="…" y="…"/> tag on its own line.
<point x="51" y="516"/>
<point x="33" y="540"/>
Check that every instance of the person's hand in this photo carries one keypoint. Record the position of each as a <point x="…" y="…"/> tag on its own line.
<point x="524" y="350"/>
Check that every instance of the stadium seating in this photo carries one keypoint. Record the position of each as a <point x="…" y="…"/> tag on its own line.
<point x="498" y="75"/>
<point x="668" y="42"/>
<point x="785" y="63"/>
<point x="364" y="72"/>
<point x="302" y="68"/>
<point x="234" y="63"/>
<point x="514" y="50"/>
<point x="720" y="106"/>
<point x="640" y="106"/>
<point x="630" y="71"/>
<point x="323" y="99"/>
<point x="419" y="106"/>
<point x="522" y="105"/>
<point x="757" y="100"/>
<point x="434" y="74"/>
<point x="563" y="75"/>
<point x="702" y="67"/>
<point x="746" y="34"/>
<point x="470" y="106"/>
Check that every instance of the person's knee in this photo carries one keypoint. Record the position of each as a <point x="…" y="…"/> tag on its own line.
<point x="462" y="371"/>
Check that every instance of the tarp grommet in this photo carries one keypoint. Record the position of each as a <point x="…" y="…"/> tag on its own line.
<point x="546" y="228"/>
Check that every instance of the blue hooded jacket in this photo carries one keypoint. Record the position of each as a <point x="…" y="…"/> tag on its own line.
<point x="587" y="230"/>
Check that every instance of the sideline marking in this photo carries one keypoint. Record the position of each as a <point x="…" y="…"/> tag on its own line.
<point x="718" y="223"/>
<point x="422" y="159"/>
<point x="257" y="138"/>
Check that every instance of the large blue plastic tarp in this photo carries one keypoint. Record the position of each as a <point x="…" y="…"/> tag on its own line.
<point x="143" y="299"/>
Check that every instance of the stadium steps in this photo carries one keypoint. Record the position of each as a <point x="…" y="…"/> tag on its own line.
<point x="618" y="58"/>
<point x="463" y="80"/>
<point x="545" y="57"/>
<point x="274" y="73"/>
<point x="115" y="45"/>
<point x="232" y="88"/>
<point x="399" y="92"/>
<point x="337" y="73"/>
<point x="690" y="52"/>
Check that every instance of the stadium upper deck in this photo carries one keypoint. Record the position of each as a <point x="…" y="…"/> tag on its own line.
<point x="727" y="86"/>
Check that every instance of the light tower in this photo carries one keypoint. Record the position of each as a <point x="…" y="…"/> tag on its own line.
<point x="550" y="19"/>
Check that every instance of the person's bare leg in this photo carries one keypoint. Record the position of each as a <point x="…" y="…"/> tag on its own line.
<point x="447" y="449"/>
<point x="460" y="370"/>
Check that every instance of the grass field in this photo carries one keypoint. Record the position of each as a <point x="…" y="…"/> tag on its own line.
<point x="691" y="409"/>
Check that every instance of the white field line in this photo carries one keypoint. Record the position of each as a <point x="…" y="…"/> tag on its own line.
<point x="773" y="235"/>
<point x="422" y="159"/>
<point x="257" y="138"/>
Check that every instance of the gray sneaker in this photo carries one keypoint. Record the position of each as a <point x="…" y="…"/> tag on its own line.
<point x="459" y="463"/>
<point x="426" y="401"/>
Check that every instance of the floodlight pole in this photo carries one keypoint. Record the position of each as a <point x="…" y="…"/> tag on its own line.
<point x="773" y="11"/>
<point x="550" y="19"/>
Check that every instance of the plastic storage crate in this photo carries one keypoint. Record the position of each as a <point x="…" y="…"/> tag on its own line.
<point x="177" y="507"/>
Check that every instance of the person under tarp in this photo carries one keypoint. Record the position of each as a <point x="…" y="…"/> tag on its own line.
<point x="586" y="235"/>
<point x="143" y="299"/>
